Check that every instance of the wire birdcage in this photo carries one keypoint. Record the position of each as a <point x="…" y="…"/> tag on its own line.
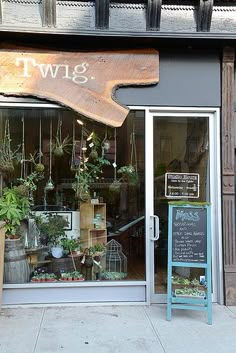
<point x="116" y="261"/>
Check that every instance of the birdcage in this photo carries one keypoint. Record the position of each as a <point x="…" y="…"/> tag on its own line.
<point x="116" y="261"/>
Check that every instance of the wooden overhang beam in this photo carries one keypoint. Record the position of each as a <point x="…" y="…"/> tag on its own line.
<point x="153" y="16"/>
<point x="204" y="15"/>
<point x="49" y="17"/>
<point x="102" y="14"/>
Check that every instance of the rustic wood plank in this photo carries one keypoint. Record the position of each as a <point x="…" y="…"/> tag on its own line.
<point x="2" y="247"/>
<point x="228" y="173"/>
<point x="83" y="81"/>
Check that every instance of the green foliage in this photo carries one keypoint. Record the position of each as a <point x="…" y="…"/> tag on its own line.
<point x="87" y="174"/>
<point x="53" y="227"/>
<point x="128" y="174"/>
<point x="60" y="146"/>
<point x="13" y="209"/>
<point x="70" y="245"/>
<point x="30" y="181"/>
<point x="98" y="247"/>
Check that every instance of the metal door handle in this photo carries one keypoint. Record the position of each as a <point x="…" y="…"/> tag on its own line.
<point x="157" y="230"/>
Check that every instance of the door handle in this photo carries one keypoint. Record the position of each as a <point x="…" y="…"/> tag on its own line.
<point x="156" y="228"/>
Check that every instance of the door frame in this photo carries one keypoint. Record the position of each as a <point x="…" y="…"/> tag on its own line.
<point x="213" y="115"/>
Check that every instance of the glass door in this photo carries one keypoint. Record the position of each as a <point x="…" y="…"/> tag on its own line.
<point x="181" y="147"/>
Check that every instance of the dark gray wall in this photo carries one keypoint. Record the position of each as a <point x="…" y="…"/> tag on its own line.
<point x="190" y="79"/>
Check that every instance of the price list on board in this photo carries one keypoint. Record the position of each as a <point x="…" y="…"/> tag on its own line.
<point x="189" y="235"/>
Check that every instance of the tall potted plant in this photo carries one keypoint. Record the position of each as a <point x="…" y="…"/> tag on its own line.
<point x="13" y="209"/>
<point x="52" y="227"/>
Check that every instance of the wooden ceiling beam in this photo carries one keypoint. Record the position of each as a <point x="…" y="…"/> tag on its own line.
<point x="102" y="14"/>
<point x="153" y="16"/>
<point x="204" y="15"/>
<point x="49" y="17"/>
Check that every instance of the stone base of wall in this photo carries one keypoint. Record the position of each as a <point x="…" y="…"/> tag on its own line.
<point x="230" y="288"/>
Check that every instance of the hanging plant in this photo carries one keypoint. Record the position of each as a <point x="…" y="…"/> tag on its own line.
<point x="129" y="174"/>
<point x="7" y="156"/>
<point x="115" y="186"/>
<point x="61" y="146"/>
<point x="94" y="145"/>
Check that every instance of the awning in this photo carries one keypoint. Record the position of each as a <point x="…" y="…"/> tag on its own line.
<point x="83" y="81"/>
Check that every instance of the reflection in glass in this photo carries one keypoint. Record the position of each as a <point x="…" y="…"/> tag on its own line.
<point x="181" y="145"/>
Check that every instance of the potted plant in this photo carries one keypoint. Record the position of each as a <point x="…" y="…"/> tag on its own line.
<point x="14" y="208"/>
<point x="53" y="228"/>
<point x="70" y="245"/>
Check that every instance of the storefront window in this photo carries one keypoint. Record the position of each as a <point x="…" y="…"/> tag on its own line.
<point x="83" y="183"/>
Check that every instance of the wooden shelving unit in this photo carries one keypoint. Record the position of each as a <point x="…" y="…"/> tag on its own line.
<point x="89" y="235"/>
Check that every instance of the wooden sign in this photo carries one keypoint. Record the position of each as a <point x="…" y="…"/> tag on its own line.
<point x="2" y="248"/>
<point x="189" y="246"/>
<point x="83" y="81"/>
<point x="182" y="185"/>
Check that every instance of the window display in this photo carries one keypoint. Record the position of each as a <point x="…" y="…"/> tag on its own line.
<point x="69" y="186"/>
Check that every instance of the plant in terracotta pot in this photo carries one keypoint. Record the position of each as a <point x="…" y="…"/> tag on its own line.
<point x="53" y="228"/>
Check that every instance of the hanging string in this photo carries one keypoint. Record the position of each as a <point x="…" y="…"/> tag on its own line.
<point x="133" y="157"/>
<point x="114" y="164"/>
<point x="7" y="138"/>
<point x="50" y="150"/>
<point x="73" y="144"/>
<point x="23" y="166"/>
<point x="59" y="126"/>
<point x="40" y="140"/>
<point x="103" y="143"/>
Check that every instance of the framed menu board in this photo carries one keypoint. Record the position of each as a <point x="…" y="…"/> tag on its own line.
<point x="189" y="246"/>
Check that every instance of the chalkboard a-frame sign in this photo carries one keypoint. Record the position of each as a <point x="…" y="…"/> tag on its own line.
<point x="189" y="245"/>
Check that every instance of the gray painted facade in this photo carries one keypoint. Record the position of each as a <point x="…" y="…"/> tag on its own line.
<point x="192" y="79"/>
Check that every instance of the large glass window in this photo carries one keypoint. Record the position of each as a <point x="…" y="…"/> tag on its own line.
<point x="73" y="190"/>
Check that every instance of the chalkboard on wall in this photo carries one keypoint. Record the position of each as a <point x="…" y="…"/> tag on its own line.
<point x="189" y="235"/>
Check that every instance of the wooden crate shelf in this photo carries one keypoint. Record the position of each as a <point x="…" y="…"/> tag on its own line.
<point x="88" y="234"/>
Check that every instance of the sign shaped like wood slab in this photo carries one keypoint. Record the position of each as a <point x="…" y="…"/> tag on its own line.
<point x="83" y="81"/>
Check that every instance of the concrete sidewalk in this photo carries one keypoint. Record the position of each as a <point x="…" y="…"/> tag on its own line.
<point x="116" y="329"/>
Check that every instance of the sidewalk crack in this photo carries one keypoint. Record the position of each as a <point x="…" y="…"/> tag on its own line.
<point x="39" y="330"/>
<point x="156" y="332"/>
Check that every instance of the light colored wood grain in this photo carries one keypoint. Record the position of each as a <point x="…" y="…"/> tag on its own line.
<point x="83" y="81"/>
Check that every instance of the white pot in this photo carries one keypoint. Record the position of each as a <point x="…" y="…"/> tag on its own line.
<point x="57" y="252"/>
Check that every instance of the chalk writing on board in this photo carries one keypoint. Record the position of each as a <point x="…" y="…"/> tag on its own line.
<point x="189" y="235"/>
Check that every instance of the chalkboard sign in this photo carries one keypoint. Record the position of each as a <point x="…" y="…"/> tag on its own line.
<point x="189" y="234"/>
<point x="189" y="246"/>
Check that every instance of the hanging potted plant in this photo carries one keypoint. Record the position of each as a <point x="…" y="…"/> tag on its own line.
<point x="7" y="156"/>
<point x="60" y="145"/>
<point x="128" y="174"/>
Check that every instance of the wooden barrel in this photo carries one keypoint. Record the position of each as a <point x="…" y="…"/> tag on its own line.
<point x="16" y="267"/>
